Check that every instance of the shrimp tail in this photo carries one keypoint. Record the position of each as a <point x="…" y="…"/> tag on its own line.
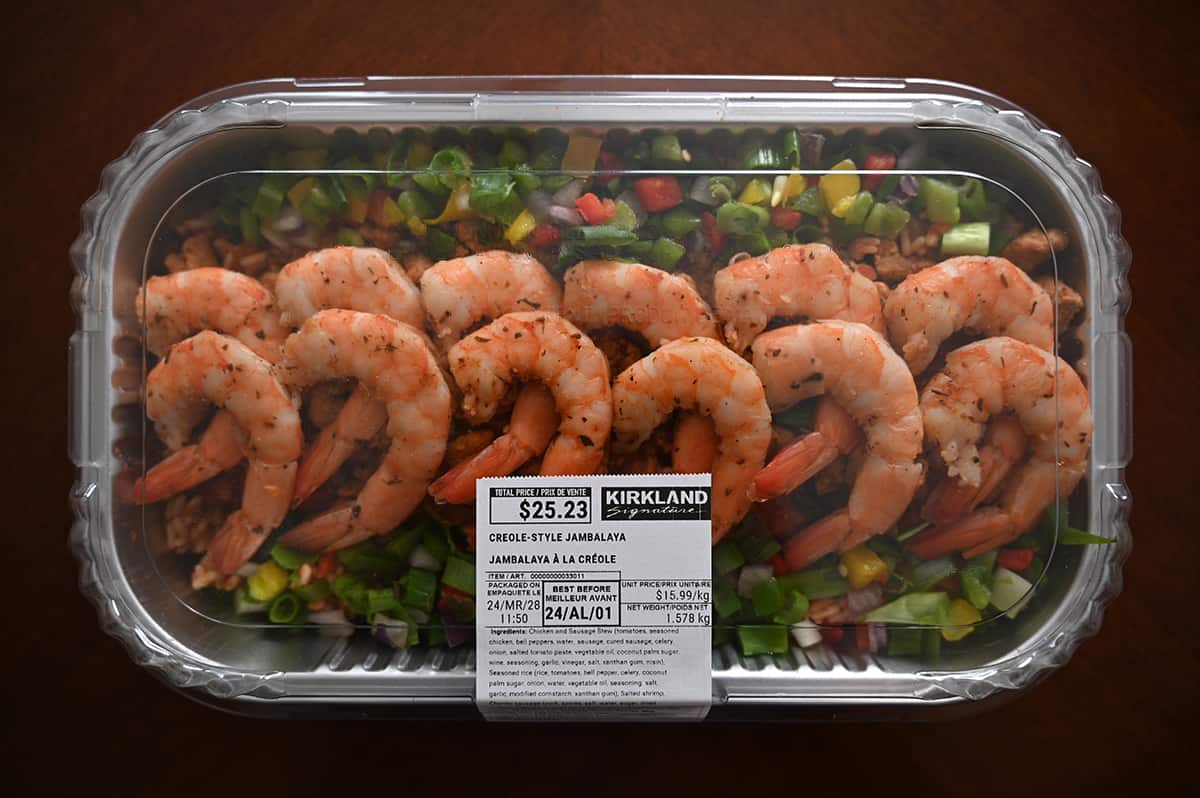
<point x="234" y="544"/>
<point x="977" y="532"/>
<point x="534" y="421"/>
<point x="321" y="533"/>
<point x="359" y="421"/>
<point x="815" y="541"/>
<point x="795" y="464"/>
<point x="219" y="449"/>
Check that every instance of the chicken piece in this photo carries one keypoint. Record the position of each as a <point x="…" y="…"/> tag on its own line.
<point x="1033" y="248"/>
<point x="1067" y="301"/>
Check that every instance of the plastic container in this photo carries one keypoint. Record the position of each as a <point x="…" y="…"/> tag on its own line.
<point x="202" y="152"/>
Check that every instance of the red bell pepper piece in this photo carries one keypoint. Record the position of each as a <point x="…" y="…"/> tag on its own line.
<point x="832" y="634"/>
<point x="545" y="236"/>
<point x="375" y="207"/>
<point x="658" y="193"/>
<point x="611" y="165"/>
<point x="594" y="209"/>
<point x="877" y="160"/>
<point x="326" y="566"/>
<point x="951" y="584"/>
<point x="1015" y="559"/>
<point x="456" y="604"/>
<point x="713" y="233"/>
<point x="779" y="564"/>
<point x="786" y="218"/>
<point x="862" y="638"/>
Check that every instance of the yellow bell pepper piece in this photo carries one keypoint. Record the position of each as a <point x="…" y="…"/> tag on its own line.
<point x="267" y="581"/>
<point x="357" y="212"/>
<point x="417" y="227"/>
<point x="390" y="212"/>
<point x="521" y="226"/>
<point x="298" y="192"/>
<point x="863" y="567"/>
<point x="843" y="206"/>
<point x="582" y="151"/>
<point x="756" y="192"/>
<point x="836" y="187"/>
<point x="786" y="187"/>
<point x="960" y="620"/>
<point x="458" y="206"/>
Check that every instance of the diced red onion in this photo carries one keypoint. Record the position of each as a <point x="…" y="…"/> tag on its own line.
<point x="806" y="634"/>
<point x="567" y="216"/>
<point x="306" y="236"/>
<point x="334" y="623"/>
<point x="278" y="240"/>
<point x="289" y="219"/>
<point x="811" y="147"/>
<point x="391" y="631"/>
<point x="630" y="199"/>
<point x="909" y="186"/>
<point x="539" y="204"/>
<point x="752" y="576"/>
<point x="877" y="633"/>
<point x="912" y="157"/>
<point x="457" y="634"/>
<point x="567" y="195"/>
<point x="864" y="599"/>
<point x="701" y="192"/>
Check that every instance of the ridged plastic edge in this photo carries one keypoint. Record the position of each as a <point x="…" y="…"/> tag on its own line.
<point x="1017" y="672"/>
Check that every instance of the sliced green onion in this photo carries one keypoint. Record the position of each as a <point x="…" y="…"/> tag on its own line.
<point x="624" y="217"/>
<point x="286" y="608"/>
<point x="887" y="188"/>
<point x="727" y="557"/>
<point x="860" y="207"/>
<point x="738" y="219"/>
<point x="762" y="155"/>
<point x="908" y="533"/>
<point x="313" y="591"/>
<point x="307" y="160"/>
<point x="794" y="609"/>
<point x="666" y="148"/>
<point x="815" y="583"/>
<point x="679" y="221"/>
<point x="450" y="165"/>
<point x="809" y="201"/>
<point x="249" y="224"/>
<point x="459" y="574"/>
<point x="420" y="589"/>
<point x="243" y="604"/>
<point x="970" y="238"/>
<point x="763" y="639"/>
<point x="494" y="197"/>
<point x="550" y="144"/>
<point x="973" y="201"/>
<point x="885" y="220"/>
<point x="666" y="253"/>
<point x="791" y="147"/>
<point x="368" y="559"/>
<point x="436" y="542"/>
<point x="381" y="600"/>
<point x="291" y="559"/>
<point x="927" y="573"/>
<point x="512" y="153"/>
<point x="352" y="591"/>
<point x="524" y="180"/>
<point x="349" y="237"/>
<point x="940" y="200"/>
<point x="767" y="598"/>
<point x="755" y="243"/>
<point x="758" y="547"/>
<point x="414" y="205"/>
<point x="441" y="245"/>
<point x="726" y="600"/>
<point x="606" y="235"/>
<point x="1077" y="537"/>
<point x="918" y="609"/>
<point x="269" y="199"/>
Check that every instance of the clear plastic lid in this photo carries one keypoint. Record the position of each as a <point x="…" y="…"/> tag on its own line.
<point x="900" y="482"/>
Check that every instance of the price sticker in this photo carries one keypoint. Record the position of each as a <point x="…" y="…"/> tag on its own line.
<point x="595" y="597"/>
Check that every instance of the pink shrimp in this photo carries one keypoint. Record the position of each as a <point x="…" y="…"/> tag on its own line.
<point x="989" y="295"/>
<point x="210" y="368"/>
<point x="794" y="282"/>
<point x="859" y="370"/>
<point x="395" y="363"/>
<point x="835" y="433"/>
<point x="1051" y="404"/>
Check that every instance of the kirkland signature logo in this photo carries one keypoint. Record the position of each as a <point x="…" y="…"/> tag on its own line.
<point x="656" y="504"/>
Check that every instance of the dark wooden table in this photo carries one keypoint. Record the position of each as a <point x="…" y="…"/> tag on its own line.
<point x="1117" y="78"/>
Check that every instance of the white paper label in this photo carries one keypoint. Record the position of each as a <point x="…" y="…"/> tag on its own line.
<point x="594" y="597"/>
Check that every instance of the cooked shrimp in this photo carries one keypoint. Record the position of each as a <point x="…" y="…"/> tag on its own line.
<point x="210" y="368"/>
<point x="857" y="368"/>
<point x="210" y="298"/>
<point x="546" y="348"/>
<point x="657" y="305"/>
<point x="835" y="433"/>
<point x="695" y="444"/>
<point x="351" y="278"/>
<point x="532" y="425"/>
<point x="395" y="363"/>
<point x="702" y="376"/>
<point x="462" y="292"/>
<point x="174" y="307"/>
<point x="795" y="282"/>
<point x="989" y="377"/>
<point x="952" y="498"/>
<point x="986" y="295"/>
<point x="347" y="278"/>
